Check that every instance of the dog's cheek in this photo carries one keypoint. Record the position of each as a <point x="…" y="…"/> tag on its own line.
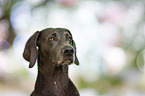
<point x="59" y="59"/>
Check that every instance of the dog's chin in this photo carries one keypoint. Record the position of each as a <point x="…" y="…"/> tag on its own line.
<point x="64" y="62"/>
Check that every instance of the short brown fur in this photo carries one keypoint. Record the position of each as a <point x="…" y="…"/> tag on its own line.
<point x="56" y="50"/>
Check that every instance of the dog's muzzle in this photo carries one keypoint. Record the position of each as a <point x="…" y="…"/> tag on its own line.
<point x="68" y="55"/>
<point x="68" y="51"/>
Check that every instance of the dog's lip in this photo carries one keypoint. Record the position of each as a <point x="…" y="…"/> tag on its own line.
<point x="63" y="62"/>
<point x="68" y="58"/>
<point x="59" y="62"/>
<point x="67" y="61"/>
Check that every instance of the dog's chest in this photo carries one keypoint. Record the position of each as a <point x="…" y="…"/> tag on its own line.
<point x="59" y="86"/>
<point x="58" y="89"/>
<point x="54" y="84"/>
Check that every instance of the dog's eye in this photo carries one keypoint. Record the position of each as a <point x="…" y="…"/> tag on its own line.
<point x="51" y="38"/>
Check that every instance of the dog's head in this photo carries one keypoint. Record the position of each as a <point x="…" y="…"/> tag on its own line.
<point x="56" y="44"/>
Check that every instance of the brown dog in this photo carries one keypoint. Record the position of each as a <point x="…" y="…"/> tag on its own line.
<point x="54" y="50"/>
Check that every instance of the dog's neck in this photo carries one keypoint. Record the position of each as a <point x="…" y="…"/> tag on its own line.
<point x="52" y="79"/>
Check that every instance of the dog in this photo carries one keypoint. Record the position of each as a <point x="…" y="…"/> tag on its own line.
<point x="54" y="49"/>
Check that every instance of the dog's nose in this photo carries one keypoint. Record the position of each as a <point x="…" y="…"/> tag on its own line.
<point x="68" y="51"/>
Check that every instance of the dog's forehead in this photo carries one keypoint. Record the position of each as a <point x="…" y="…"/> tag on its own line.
<point x="60" y="31"/>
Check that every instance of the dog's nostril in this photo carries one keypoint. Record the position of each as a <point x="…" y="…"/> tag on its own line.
<point x="72" y="51"/>
<point x="68" y="51"/>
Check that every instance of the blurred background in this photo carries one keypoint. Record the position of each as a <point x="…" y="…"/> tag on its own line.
<point x="110" y="39"/>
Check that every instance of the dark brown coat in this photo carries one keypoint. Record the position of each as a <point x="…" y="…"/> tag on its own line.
<point x="54" y="49"/>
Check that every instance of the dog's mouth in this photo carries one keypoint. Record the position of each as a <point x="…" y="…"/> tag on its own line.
<point x="65" y="61"/>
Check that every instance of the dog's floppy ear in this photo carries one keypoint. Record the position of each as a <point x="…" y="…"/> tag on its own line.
<point x="74" y="45"/>
<point x="30" y="51"/>
<point x="76" y="59"/>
